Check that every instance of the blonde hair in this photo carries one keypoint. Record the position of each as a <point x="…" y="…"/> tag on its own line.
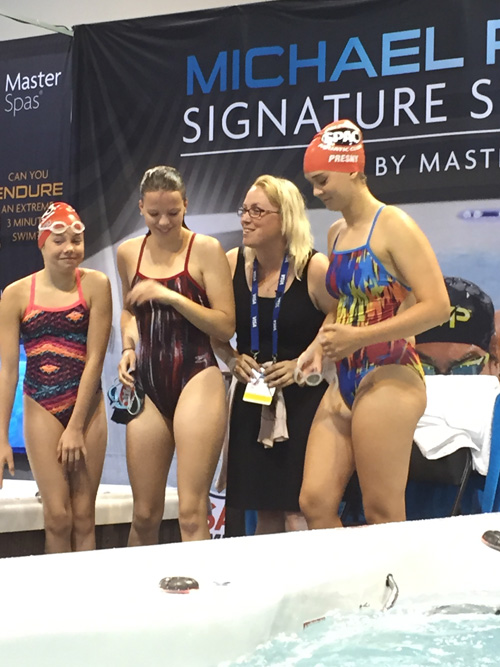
<point x="295" y="226"/>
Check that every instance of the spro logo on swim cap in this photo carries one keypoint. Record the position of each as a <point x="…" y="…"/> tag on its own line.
<point x="340" y="137"/>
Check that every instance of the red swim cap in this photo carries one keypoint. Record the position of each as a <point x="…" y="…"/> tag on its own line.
<point x="338" y="147"/>
<point x="58" y="214"/>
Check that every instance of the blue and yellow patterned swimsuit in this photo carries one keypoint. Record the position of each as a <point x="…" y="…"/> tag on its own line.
<point x="367" y="294"/>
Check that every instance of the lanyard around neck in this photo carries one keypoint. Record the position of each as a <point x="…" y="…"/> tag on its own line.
<point x="254" y="309"/>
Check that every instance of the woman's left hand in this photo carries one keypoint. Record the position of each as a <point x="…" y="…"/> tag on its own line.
<point x="150" y="290"/>
<point x="71" y="450"/>
<point x="339" y="340"/>
<point x="280" y="374"/>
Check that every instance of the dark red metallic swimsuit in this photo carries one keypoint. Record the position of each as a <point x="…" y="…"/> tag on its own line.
<point x="171" y="350"/>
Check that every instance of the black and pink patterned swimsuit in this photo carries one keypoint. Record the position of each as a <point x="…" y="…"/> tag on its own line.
<point x="171" y="350"/>
<point x="55" y="340"/>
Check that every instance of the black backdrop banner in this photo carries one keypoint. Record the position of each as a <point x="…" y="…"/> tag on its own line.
<point x="228" y="94"/>
<point x="35" y="113"/>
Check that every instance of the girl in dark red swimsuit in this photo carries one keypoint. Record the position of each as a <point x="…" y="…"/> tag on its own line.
<point x="177" y="293"/>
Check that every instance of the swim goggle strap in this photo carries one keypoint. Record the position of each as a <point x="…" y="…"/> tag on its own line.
<point x="470" y="366"/>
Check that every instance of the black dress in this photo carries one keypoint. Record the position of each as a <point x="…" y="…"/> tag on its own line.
<point x="260" y="478"/>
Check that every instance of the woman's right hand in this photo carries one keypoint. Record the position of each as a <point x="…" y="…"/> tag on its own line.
<point x="311" y="360"/>
<point x="241" y="366"/>
<point x="6" y="459"/>
<point x="126" y="367"/>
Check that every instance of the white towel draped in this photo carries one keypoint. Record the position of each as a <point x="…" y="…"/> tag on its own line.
<point x="459" y="413"/>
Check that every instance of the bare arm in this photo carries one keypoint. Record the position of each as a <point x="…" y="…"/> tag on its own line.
<point x="218" y="320"/>
<point x="311" y="359"/>
<point x="414" y="260"/>
<point x="10" y="318"/>
<point x="71" y="444"/>
<point x="128" y="323"/>
<point x="240" y="365"/>
<point x="97" y="342"/>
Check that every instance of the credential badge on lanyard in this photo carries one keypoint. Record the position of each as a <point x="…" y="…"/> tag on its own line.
<point x="257" y="390"/>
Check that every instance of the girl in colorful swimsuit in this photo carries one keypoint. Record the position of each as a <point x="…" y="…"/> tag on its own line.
<point x="388" y="286"/>
<point x="63" y="314"/>
<point x="177" y="293"/>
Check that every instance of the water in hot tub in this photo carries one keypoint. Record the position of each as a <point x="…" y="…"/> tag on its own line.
<point x="460" y="634"/>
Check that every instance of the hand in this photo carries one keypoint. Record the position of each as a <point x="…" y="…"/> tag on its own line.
<point x="280" y="374"/>
<point x="311" y="360"/>
<point x="126" y="367"/>
<point x="150" y="290"/>
<point x="6" y="459"/>
<point x="241" y="367"/>
<point x="71" y="450"/>
<point x="339" y="340"/>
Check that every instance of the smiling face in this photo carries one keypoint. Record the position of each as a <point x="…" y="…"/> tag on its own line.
<point x="258" y="231"/>
<point x="64" y="251"/>
<point x="163" y="211"/>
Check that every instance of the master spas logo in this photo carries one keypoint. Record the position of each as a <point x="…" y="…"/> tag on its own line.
<point x="22" y="93"/>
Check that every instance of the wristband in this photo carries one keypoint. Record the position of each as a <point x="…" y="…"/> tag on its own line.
<point x="128" y="348"/>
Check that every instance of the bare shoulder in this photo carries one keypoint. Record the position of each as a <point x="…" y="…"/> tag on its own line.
<point x="232" y="258"/>
<point x="94" y="279"/>
<point x="18" y="293"/>
<point x="399" y="238"/>
<point x="334" y="231"/>
<point x="207" y="247"/>
<point x="396" y="221"/>
<point x="130" y="249"/>
<point x="318" y="262"/>
<point x="205" y="242"/>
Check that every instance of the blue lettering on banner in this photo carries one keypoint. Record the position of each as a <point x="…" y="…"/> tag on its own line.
<point x="319" y="62"/>
<point x="388" y="53"/>
<point x="219" y="70"/>
<point x="261" y="51"/>
<point x="430" y="62"/>
<point x="225" y="71"/>
<point x="492" y="43"/>
<point x="364" y="62"/>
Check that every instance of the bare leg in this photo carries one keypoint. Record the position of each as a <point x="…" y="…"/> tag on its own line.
<point x="41" y="433"/>
<point x="199" y="426"/>
<point x="388" y="405"/>
<point x="277" y="521"/>
<point x="270" y="521"/>
<point x="84" y="482"/>
<point x="295" y="521"/>
<point x="150" y="448"/>
<point x="329" y="462"/>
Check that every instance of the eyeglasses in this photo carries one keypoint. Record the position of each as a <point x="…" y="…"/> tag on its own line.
<point x="59" y="227"/>
<point x="255" y="212"/>
<point x="470" y="366"/>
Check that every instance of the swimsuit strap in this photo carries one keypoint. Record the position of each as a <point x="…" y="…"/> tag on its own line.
<point x="32" y="293"/>
<point x="335" y="242"/>
<point x="373" y="224"/>
<point x="79" y="286"/>
<point x="139" y="259"/>
<point x="189" y="253"/>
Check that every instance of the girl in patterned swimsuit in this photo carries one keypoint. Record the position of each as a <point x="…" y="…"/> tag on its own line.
<point x="388" y="286"/>
<point x="177" y="292"/>
<point x="63" y="314"/>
